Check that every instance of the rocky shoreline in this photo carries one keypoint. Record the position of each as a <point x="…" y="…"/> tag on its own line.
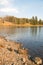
<point x="12" y="53"/>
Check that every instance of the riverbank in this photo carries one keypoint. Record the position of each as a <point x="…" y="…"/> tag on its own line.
<point x="6" y="23"/>
<point x="19" y="25"/>
<point x="12" y="53"/>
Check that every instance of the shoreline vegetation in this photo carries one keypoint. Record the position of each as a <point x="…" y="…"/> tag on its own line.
<point x="20" y="22"/>
<point x="12" y="53"/>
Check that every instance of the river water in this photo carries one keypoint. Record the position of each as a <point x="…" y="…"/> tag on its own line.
<point x="31" y="37"/>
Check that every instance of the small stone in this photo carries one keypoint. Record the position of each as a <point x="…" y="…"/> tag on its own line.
<point x="12" y="64"/>
<point x="29" y="56"/>
<point x="21" y="59"/>
<point x="24" y="60"/>
<point x="16" y="51"/>
<point x="38" y="60"/>
<point x="25" y="63"/>
<point x="9" y="49"/>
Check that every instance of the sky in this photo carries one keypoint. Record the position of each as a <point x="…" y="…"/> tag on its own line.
<point x="22" y="8"/>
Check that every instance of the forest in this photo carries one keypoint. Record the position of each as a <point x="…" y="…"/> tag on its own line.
<point x="15" y="20"/>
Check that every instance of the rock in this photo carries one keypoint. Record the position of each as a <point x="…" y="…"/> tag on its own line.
<point x="12" y="64"/>
<point x="10" y="49"/>
<point x="24" y="60"/>
<point x="23" y="51"/>
<point x="21" y="59"/>
<point x="38" y="60"/>
<point x="11" y="53"/>
<point x="16" y="51"/>
<point x="25" y="63"/>
<point x="29" y="56"/>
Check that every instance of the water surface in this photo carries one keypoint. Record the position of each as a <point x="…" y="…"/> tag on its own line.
<point x="31" y="37"/>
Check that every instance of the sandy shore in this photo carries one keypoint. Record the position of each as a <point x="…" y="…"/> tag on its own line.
<point x="20" y="25"/>
<point x="12" y="53"/>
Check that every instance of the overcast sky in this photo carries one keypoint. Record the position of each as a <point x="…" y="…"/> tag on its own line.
<point x="22" y="8"/>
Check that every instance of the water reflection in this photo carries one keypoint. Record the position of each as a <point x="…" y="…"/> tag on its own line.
<point x="35" y="30"/>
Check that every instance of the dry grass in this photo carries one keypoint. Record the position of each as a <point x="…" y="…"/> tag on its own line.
<point x="6" y="23"/>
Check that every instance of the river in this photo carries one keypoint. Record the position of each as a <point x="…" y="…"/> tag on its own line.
<point x="31" y="37"/>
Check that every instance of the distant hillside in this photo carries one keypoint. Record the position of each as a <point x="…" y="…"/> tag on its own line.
<point x="3" y="22"/>
<point x="11" y="20"/>
<point x="33" y="20"/>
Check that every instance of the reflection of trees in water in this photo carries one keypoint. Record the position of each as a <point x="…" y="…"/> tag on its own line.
<point x="40" y="29"/>
<point x="11" y="30"/>
<point x="35" y="30"/>
<point x="7" y="30"/>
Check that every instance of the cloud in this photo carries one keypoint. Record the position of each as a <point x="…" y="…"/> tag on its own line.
<point x="9" y="10"/>
<point x="4" y="2"/>
<point x="7" y="7"/>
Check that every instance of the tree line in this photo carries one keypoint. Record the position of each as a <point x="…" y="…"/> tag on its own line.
<point x="33" y="20"/>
